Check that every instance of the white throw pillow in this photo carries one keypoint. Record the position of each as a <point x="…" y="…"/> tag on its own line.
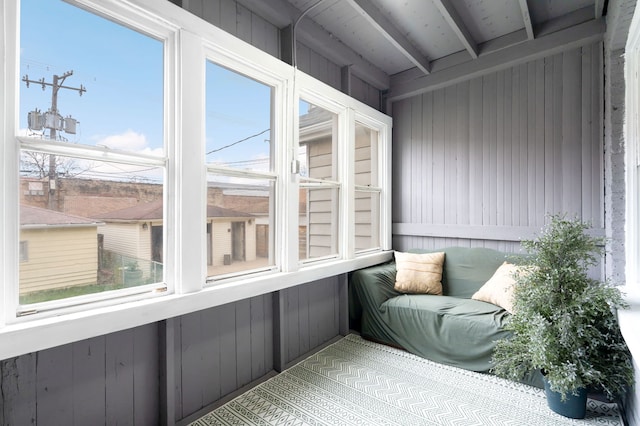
<point x="419" y="272"/>
<point x="499" y="289"/>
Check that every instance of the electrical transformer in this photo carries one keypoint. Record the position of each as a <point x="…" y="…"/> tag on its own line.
<point x="52" y="120"/>
<point x="70" y="125"/>
<point x="35" y="120"/>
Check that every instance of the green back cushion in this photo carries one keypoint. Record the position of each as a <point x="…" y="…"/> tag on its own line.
<point x="467" y="269"/>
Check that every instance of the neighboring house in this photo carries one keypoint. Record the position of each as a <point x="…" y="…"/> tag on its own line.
<point x="136" y="232"/>
<point x="231" y="236"/>
<point x="57" y="250"/>
<point x="318" y="212"/>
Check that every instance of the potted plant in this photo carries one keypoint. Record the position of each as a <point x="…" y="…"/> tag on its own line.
<point x="564" y="322"/>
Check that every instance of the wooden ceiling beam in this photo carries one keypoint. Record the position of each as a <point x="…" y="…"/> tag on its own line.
<point x="407" y="84"/>
<point x="389" y="31"/>
<point x="526" y="17"/>
<point x="282" y="13"/>
<point x="599" y="6"/>
<point x="450" y="14"/>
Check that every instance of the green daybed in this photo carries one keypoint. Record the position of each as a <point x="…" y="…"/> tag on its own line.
<point x="450" y="329"/>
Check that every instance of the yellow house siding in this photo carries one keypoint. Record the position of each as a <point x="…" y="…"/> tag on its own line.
<point x="250" y="240"/>
<point x="58" y="258"/>
<point x="144" y="241"/>
<point x="221" y="242"/>
<point x="122" y="238"/>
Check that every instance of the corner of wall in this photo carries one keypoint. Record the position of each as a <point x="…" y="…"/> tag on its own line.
<point x="614" y="179"/>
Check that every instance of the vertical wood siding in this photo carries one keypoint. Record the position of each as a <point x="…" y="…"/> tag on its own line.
<point x="221" y="349"/>
<point x="110" y="379"/>
<point x="499" y="152"/>
<point x="312" y="316"/>
<point x="115" y="379"/>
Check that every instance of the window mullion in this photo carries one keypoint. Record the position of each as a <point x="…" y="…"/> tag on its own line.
<point x="290" y="184"/>
<point x="346" y="144"/>
<point x="9" y="168"/>
<point x="190" y="174"/>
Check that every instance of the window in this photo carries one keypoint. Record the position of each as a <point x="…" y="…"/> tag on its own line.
<point x="367" y="188"/>
<point x="24" y="251"/>
<point x="241" y="187"/>
<point x="173" y="169"/>
<point x="319" y="206"/>
<point x="92" y="226"/>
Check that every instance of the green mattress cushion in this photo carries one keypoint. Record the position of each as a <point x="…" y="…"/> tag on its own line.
<point x="451" y="330"/>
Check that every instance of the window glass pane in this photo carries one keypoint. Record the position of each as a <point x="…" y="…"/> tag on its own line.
<point x="240" y="225"/>
<point x="367" y="220"/>
<point x="319" y="203"/>
<point x="238" y="120"/>
<point x="66" y="52"/>
<point x="317" y="142"/>
<point x="96" y="227"/>
<point x="366" y="158"/>
<point x="318" y="227"/>
<point x="367" y="203"/>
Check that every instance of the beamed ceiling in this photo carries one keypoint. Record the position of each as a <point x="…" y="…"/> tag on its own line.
<point x="402" y="45"/>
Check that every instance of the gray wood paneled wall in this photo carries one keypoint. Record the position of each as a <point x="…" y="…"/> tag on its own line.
<point x="111" y="380"/>
<point x="119" y="379"/>
<point x="481" y="162"/>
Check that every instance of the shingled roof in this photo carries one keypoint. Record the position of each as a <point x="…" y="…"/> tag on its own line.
<point x="31" y="216"/>
<point x="153" y="211"/>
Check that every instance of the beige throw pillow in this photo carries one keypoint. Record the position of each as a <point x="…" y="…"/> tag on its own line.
<point x="419" y="272"/>
<point x="499" y="289"/>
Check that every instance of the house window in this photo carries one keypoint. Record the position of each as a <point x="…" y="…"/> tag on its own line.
<point x="76" y="111"/>
<point x="240" y="222"/>
<point x="241" y="185"/>
<point x="24" y="251"/>
<point x="319" y="206"/>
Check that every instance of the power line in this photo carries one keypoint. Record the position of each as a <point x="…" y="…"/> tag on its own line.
<point x="52" y="120"/>
<point x="237" y="142"/>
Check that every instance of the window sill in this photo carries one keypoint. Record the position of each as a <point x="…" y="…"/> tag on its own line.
<point x="38" y="334"/>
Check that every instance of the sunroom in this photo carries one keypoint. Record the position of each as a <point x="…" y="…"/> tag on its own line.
<point x="337" y="131"/>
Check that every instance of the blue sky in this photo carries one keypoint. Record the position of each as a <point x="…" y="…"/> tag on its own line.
<point x="122" y="71"/>
<point x="237" y="108"/>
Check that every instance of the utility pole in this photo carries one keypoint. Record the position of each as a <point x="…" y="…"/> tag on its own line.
<point x="53" y="121"/>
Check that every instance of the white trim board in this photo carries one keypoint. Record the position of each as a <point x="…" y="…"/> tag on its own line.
<point x="474" y="232"/>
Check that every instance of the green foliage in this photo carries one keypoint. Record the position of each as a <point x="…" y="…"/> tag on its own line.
<point x="132" y="266"/>
<point x="564" y="322"/>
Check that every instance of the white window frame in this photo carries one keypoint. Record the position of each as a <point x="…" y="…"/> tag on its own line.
<point x="340" y="137"/>
<point x="188" y="41"/>
<point x="629" y="318"/>
<point x="137" y="20"/>
<point x="382" y="159"/>
<point x="632" y="156"/>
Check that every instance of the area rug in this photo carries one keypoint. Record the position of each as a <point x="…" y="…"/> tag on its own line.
<point x="357" y="382"/>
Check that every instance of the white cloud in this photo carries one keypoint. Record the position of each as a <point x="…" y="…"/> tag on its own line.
<point x="128" y="141"/>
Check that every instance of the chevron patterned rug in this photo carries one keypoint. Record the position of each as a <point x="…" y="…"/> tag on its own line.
<point x="357" y="382"/>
